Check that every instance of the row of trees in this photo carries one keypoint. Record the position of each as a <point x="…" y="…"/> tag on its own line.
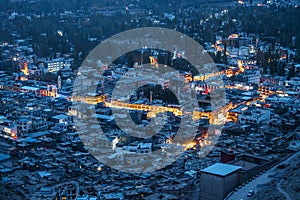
<point x="272" y="64"/>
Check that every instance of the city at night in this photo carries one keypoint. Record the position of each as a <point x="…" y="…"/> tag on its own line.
<point x="149" y="100"/>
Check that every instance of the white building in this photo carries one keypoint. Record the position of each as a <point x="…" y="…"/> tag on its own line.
<point x="144" y="148"/>
<point x="294" y="84"/>
<point x="57" y="64"/>
<point x="252" y="76"/>
<point x="30" y="89"/>
<point x="254" y="116"/>
<point x="139" y="148"/>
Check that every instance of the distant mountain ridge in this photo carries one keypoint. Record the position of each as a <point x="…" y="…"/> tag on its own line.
<point x="61" y="5"/>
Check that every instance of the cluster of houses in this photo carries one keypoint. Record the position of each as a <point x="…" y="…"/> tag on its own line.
<point x="42" y="155"/>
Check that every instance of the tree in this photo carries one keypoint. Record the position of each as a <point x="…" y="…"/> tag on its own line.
<point x="281" y="110"/>
<point x="218" y="57"/>
<point x="224" y="59"/>
<point x="297" y="56"/>
<point x="292" y="57"/>
<point x="292" y="72"/>
<point x="281" y="67"/>
<point x="273" y="67"/>
<point x="265" y="66"/>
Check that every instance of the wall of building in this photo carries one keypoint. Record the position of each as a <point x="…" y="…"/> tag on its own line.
<point x="213" y="187"/>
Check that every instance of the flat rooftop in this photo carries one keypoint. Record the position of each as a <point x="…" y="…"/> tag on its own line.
<point x="221" y="169"/>
<point x="30" y="88"/>
<point x="61" y="116"/>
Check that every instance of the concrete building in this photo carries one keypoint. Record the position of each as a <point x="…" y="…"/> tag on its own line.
<point x="30" y="89"/>
<point x="61" y="118"/>
<point x="24" y="125"/>
<point x="252" y="76"/>
<point x="57" y="64"/>
<point x="254" y="116"/>
<point x="218" y="180"/>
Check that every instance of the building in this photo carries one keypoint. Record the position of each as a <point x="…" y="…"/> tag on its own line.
<point x="232" y="114"/>
<point x="34" y="71"/>
<point x="144" y="148"/>
<point x="5" y="161"/>
<point x="57" y="64"/>
<point x="280" y="101"/>
<point x="227" y="156"/>
<point x="266" y="90"/>
<point x="252" y="76"/>
<point x="64" y="119"/>
<point x="30" y="89"/>
<point x="218" y="180"/>
<point x="24" y="125"/>
<point x="254" y="116"/>
<point x="251" y="165"/>
<point x="66" y="72"/>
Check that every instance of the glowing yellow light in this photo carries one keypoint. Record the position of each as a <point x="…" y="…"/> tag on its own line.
<point x="13" y="135"/>
<point x="189" y="145"/>
<point x="25" y="69"/>
<point x="153" y="61"/>
<point x="233" y="36"/>
<point x="240" y="65"/>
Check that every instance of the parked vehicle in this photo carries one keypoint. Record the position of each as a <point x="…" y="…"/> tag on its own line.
<point x="250" y="193"/>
